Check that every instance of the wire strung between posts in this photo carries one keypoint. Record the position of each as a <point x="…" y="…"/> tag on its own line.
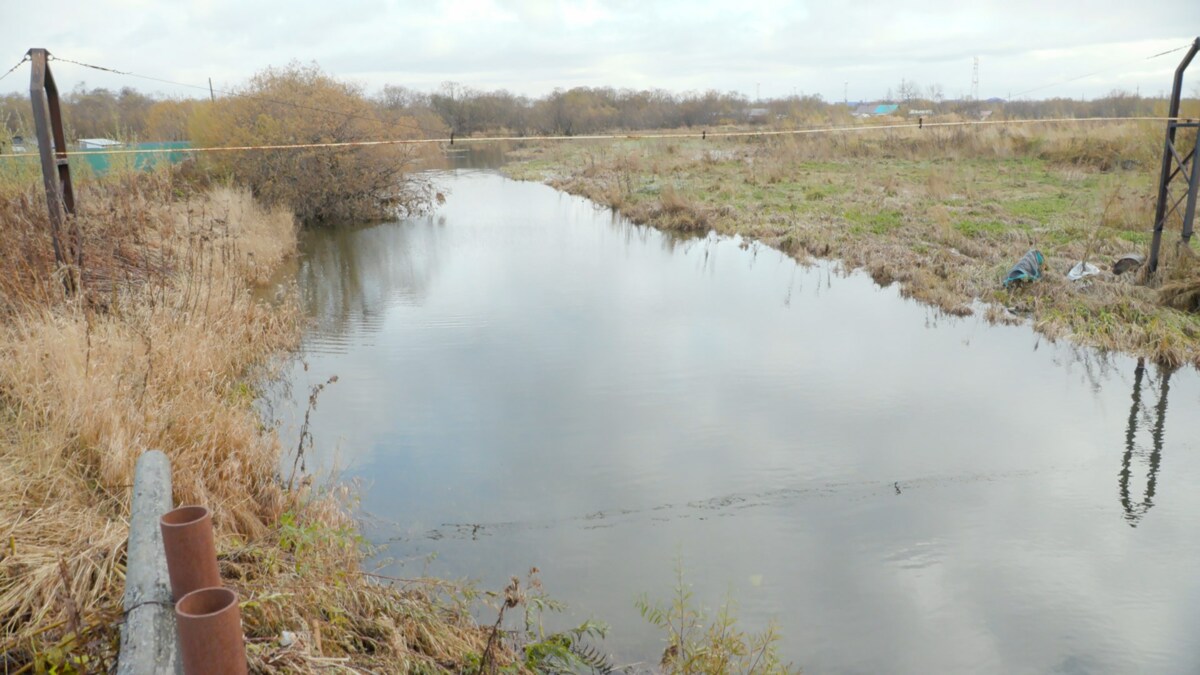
<point x="52" y="57"/>
<point x="225" y="92"/>
<point x="611" y="137"/>
<point x="1099" y="72"/>
<point x="418" y="127"/>
<point x="10" y="70"/>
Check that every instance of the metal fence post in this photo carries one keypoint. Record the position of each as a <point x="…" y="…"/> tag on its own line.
<point x="1173" y="164"/>
<point x="56" y="172"/>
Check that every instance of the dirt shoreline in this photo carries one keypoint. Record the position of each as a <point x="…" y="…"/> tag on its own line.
<point x="944" y="214"/>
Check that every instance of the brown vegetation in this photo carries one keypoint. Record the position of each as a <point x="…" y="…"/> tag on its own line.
<point x="299" y="105"/>
<point x="166" y="349"/>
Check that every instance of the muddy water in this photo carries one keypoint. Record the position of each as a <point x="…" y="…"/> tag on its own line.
<point x="527" y="380"/>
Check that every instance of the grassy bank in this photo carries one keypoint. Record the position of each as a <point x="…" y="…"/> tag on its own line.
<point x="942" y="212"/>
<point x="166" y="348"/>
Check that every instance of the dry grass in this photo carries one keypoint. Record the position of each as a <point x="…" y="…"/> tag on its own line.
<point x="942" y="212"/>
<point x="1181" y="283"/>
<point x="166" y="350"/>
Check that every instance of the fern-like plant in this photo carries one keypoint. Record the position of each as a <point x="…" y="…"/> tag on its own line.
<point x="718" y="648"/>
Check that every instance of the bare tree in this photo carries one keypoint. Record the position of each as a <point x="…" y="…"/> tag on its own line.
<point x="908" y="90"/>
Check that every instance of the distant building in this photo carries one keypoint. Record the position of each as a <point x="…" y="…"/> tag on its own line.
<point x="98" y="144"/>
<point x="21" y="144"/>
<point x="757" y="113"/>
<point x="875" y="109"/>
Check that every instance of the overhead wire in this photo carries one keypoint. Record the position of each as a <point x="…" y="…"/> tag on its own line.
<point x="613" y="137"/>
<point x="13" y="69"/>
<point x="225" y="92"/>
<point x="420" y="128"/>
<point x="258" y="97"/>
<point x="1100" y="72"/>
<point x="554" y="138"/>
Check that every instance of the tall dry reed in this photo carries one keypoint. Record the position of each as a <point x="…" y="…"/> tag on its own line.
<point x="165" y="348"/>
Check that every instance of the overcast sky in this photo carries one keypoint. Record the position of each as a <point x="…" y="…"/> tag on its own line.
<point x="829" y="47"/>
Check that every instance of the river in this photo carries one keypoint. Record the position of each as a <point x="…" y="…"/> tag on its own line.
<point x="526" y="380"/>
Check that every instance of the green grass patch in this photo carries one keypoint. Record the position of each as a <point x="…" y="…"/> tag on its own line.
<point x="1061" y="236"/>
<point x="1039" y="208"/>
<point x="819" y="192"/>
<point x="877" y="222"/>
<point x="1135" y="236"/>
<point x="975" y="228"/>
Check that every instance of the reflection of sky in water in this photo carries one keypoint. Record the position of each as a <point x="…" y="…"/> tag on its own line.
<point x="526" y="381"/>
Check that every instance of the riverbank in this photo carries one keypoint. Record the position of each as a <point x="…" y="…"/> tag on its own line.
<point x="167" y="348"/>
<point x="942" y="212"/>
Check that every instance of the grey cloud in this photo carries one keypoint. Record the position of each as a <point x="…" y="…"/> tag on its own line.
<point x="530" y="47"/>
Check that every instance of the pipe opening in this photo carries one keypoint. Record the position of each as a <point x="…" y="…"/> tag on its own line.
<point x="205" y="602"/>
<point x="184" y="515"/>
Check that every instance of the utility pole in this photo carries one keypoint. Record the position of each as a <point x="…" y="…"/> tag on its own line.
<point x="758" y="91"/>
<point x="211" y="95"/>
<point x="975" y="80"/>
<point x="846" y="93"/>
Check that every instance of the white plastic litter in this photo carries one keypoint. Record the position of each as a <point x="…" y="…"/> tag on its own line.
<point x="1082" y="270"/>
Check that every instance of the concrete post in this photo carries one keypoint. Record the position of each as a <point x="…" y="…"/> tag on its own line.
<point x="148" y="643"/>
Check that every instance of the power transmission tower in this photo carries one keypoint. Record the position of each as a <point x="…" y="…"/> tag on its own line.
<point x="975" y="80"/>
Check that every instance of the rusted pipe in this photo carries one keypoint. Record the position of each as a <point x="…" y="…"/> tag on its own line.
<point x="210" y="632"/>
<point x="191" y="556"/>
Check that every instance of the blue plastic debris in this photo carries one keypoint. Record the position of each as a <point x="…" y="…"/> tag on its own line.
<point x="1028" y="268"/>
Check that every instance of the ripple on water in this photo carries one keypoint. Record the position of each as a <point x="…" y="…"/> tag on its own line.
<point x="525" y="380"/>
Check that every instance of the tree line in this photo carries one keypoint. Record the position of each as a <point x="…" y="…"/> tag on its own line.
<point x="300" y="105"/>
<point x="127" y="114"/>
<point x="105" y="113"/>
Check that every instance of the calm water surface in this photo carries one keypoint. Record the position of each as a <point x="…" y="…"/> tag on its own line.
<point x="528" y="380"/>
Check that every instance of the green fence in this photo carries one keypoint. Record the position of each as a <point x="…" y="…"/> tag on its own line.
<point x="100" y="162"/>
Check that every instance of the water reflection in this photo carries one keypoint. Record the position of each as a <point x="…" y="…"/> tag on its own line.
<point x="470" y="156"/>
<point x="536" y="382"/>
<point x="349" y="276"/>
<point x="1143" y="418"/>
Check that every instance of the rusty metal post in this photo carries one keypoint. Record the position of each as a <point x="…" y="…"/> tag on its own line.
<point x="1173" y="164"/>
<point x="56" y="172"/>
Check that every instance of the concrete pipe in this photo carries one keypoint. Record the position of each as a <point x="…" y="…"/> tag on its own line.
<point x="191" y="555"/>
